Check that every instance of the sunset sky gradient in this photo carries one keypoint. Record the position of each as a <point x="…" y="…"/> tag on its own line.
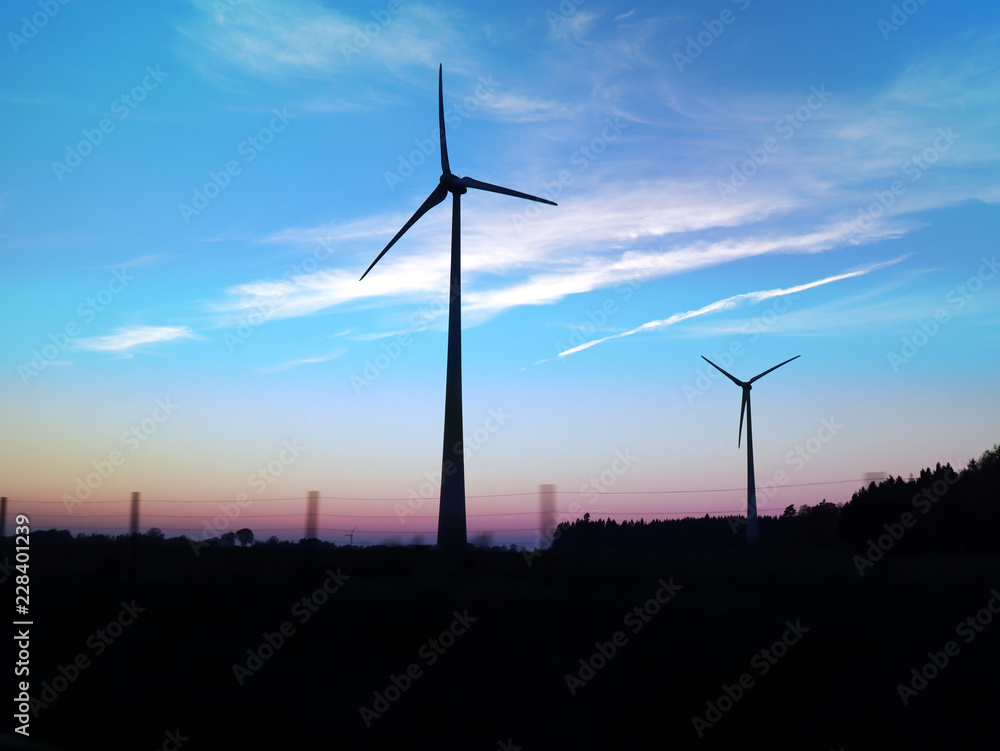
<point x="189" y="193"/>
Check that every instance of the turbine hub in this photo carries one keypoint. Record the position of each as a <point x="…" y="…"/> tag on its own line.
<point x="452" y="183"/>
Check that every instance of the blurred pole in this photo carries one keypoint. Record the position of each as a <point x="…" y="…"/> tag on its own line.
<point x="134" y="525"/>
<point x="547" y="521"/>
<point x="312" y="513"/>
<point x="134" y="542"/>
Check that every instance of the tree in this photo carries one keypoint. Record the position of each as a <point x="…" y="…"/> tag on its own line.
<point x="154" y="533"/>
<point x="245" y="536"/>
<point x="228" y="539"/>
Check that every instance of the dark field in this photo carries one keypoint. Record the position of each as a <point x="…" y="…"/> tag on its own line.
<point x="500" y="681"/>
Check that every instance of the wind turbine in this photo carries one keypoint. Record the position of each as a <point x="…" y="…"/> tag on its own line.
<point x="351" y="535"/>
<point x="452" y="531"/>
<point x="751" y="486"/>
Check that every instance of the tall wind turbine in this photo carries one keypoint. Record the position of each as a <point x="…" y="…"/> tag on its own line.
<point x="452" y="532"/>
<point x="751" y="486"/>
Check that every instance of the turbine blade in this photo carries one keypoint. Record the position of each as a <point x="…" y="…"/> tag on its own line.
<point x="445" y="167"/>
<point x="469" y="182"/>
<point x="438" y="195"/>
<point x="774" y="368"/>
<point x="746" y="398"/>
<point x="732" y="378"/>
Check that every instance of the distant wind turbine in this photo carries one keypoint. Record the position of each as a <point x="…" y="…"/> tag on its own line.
<point x="751" y="486"/>
<point x="351" y="535"/>
<point x="452" y="531"/>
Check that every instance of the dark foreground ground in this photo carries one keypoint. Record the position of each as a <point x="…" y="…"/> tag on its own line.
<point x="165" y="679"/>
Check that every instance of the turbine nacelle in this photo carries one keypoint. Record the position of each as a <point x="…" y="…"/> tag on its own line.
<point x="450" y="183"/>
<point x="453" y="183"/>
<point x="746" y="386"/>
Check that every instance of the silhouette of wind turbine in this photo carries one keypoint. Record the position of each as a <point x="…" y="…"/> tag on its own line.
<point x="452" y="531"/>
<point x="751" y="486"/>
<point x="351" y="535"/>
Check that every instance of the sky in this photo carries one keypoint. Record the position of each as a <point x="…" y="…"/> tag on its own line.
<point x="190" y="191"/>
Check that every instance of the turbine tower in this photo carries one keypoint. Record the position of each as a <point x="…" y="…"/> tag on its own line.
<point x="452" y="532"/>
<point x="751" y="486"/>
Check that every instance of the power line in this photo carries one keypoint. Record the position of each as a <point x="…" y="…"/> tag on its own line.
<point x="251" y="515"/>
<point x="207" y="521"/>
<point x="493" y="495"/>
<point x="406" y="533"/>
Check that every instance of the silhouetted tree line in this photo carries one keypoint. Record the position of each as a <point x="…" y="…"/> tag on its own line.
<point x="154" y="536"/>
<point x="940" y="511"/>
<point x="948" y="511"/>
<point x="811" y="527"/>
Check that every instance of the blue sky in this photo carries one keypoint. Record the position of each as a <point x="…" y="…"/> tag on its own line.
<point x="190" y="192"/>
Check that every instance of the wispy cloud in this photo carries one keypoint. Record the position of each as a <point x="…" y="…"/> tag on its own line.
<point x="573" y="25"/>
<point x="374" y="336"/>
<point x="300" y="39"/>
<point x="729" y="303"/>
<point x="523" y="109"/>
<point x="148" y="260"/>
<point x="125" y="338"/>
<point x="618" y="217"/>
<point x="962" y="74"/>
<point x="304" y="361"/>
<point x="270" y="38"/>
<point x="603" y="271"/>
<point x="514" y="259"/>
